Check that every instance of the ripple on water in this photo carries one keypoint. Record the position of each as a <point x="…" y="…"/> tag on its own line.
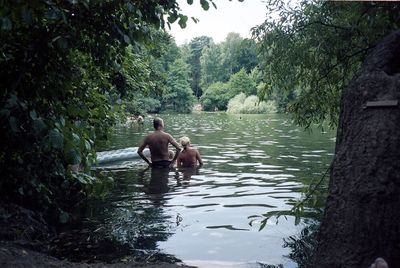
<point x="244" y="164"/>
<point x="227" y="227"/>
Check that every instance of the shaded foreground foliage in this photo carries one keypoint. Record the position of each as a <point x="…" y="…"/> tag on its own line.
<point x="316" y="47"/>
<point x="63" y="67"/>
<point x="303" y="245"/>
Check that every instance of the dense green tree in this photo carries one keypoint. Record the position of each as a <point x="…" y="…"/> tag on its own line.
<point x="238" y="53"/>
<point x="216" y="97"/>
<point x="247" y="55"/>
<point x="316" y="47"/>
<point x="241" y="82"/>
<point x="220" y="61"/>
<point x="178" y="95"/>
<point x="230" y="51"/>
<point x="196" y="49"/>
<point x="170" y="53"/>
<point x="218" y="94"/>
<point x="211" y="69"/>
<point x="242" y="104"/>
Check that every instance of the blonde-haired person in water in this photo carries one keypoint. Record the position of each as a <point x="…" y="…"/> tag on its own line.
<point x="189" y="156"/>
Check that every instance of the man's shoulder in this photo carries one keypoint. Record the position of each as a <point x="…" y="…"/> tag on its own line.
<point x="158" y="135"/>
<point x="167" y="135"/>
<point x="150" y="135"/>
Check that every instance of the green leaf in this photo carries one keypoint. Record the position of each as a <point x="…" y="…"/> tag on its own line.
<point x="33" y="114"/>
<point x="127" y="39"/>
<point x="13" y="124"/>
<point x="56" y="139"/>
<point x="87" y="145"/>
<point x="130" y="7"/>
<point x="182" y="21"/>
<point x="4" y="113"/>
<point x="263" y="223"/>
<point x="62" y="43"/>
<point x="204" y="4"/>
<point x="172" y="18"/>
<point x="12" y="102"/>
<point x="39" y="126"/>
<point x="81" y="179"/>
<point x="190" y="2"/>
<point x="297" y="220"/>
<point x="62" y="121"/>
<point x="6" y="24"/>
<point x="73" y="157"/>
<point x="76" y="138"/>
<point x="27" y="16"/>
<point x="64" y="217"/>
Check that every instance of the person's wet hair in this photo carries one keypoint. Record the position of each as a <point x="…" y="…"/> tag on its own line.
<point x="157" y="122"/>
<point x="185" y="141"/>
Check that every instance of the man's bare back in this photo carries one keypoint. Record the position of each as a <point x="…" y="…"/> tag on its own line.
<point x="158" y="142"/>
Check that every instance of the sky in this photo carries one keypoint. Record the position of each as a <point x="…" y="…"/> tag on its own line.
<point x="230" y="16"/>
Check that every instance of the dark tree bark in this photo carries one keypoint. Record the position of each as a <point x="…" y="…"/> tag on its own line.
<point x="362" y="215"/>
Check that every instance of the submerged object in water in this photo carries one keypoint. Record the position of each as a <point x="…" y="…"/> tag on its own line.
<point x="120" y="155"/>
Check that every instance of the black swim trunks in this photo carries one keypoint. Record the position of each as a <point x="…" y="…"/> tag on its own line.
<point x="161" y="164"/>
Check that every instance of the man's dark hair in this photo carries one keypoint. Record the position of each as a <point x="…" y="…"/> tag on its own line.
<point x="157" y="122"/>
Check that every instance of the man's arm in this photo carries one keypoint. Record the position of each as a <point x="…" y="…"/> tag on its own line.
<point x="140" y="151"/>
<point x="177" y="147"/>
<point x="179" y="161"/>
<point x="198" y="157"/>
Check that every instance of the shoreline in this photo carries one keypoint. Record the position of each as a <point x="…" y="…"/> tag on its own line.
<point x="27" y="240"/>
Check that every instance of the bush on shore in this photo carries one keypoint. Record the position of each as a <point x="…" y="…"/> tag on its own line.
<point x="241" y="104"/>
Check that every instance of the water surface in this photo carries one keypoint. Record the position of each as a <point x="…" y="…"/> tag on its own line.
<point x="253" y="164"/>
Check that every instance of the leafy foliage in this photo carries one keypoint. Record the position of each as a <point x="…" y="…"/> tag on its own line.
<point x="316" y="47"/>
<point x="241" y="82"/>
<point x="241" y="85"/>
<point x="303" y="246"/>
<point x="216" y="97"/>
<point x="220" y="61"/>
<point x="241" y="104"/>
<point x="64" y="67"/>
<point x="178" y="96"/>
<point x="196" y="48"/>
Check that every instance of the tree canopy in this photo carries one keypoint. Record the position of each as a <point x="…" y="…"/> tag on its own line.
<point x="316" y="47"/>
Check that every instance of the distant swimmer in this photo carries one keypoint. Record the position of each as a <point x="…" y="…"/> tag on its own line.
<point x="189" y="155"/>
<point x="140" y="119"/>
<point x="158" y="142"/>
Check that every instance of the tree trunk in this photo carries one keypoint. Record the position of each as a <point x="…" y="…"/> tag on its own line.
<point x="362" y="215"/>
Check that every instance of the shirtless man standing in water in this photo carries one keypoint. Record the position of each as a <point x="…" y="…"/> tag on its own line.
<point x="158" y="142"/>
<point x="189" y="156"/>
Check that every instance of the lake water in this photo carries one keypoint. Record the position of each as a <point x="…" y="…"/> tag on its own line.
<point x="253" y="164"/>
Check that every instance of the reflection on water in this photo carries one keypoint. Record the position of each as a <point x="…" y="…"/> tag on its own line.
<point x="253" y="164"/>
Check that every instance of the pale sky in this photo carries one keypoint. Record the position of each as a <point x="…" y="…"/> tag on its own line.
<point x="230" y="16"/>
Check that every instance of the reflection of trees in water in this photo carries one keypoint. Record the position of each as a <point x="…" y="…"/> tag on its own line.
<point x="133" y="213"/>
<point x="140" y="221"/>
